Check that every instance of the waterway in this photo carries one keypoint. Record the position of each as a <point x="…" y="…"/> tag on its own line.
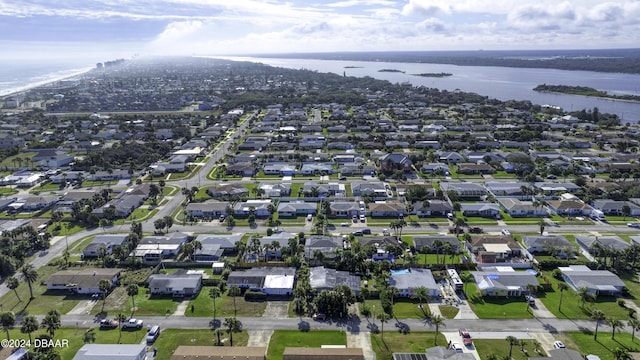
<point x="501" y="83"/>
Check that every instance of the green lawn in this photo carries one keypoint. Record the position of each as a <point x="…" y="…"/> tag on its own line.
<point x="435" y="259"/>
<point x="43" y="300"/>
<point x="75" y="338"/>
<point x="496" y="307"/>
<point x="448" y="311"/>
<point x="7" y="191"/>
<point x="500" y="347"/>
<point x="146" y="305"/>
<point x="203" y="306"/>
<point x="170" y="339"/>
<point x="603" y="346"/>
<point x="571" y="304"/>
<point x="294" y="338"/>
<point x="393" y="341"/>
<point x="408" y="309"/>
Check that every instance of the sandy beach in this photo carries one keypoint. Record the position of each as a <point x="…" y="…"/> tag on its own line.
<point x="64" y="75"/>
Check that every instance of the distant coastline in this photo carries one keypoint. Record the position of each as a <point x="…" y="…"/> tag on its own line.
<point x="352" y="67"/>
<point x="584" y="91"/>
<point x="44" y="79"/>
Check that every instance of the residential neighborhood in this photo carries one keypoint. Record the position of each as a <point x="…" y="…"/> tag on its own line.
<point x="398" y="214"/>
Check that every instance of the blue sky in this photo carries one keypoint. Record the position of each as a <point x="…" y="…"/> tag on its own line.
<point x="95" y="29"/>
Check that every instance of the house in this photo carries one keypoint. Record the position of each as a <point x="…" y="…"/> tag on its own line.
<point x="407" y="280"/>
<point x="83" y="281"/>
<point x="321" y="278"/>
<point x="34" y="202"/>
<point x="431" y="208"/>
<point x="435" y="353"/>
<point x="387" y="209"/>
<point x="556" y="188"/>
<point x="228" y="191"/>
<point x="124" y="204"/>
<point x="494" y="248"/>
<point x="435" y="168"/>
<point x="503" y="281"/>
<point x="112" y="352"/>
<point x="179" y="284"/>
<point x="152" y="249"/>
<point x="269" y="280"/>
<point x="517" y="208"/>
<point x="210" y="209"/>
<point x="281" y="169"/>
<point x="108" y="241"/>
<point x="315" y="189"/>
<point x="464" y="190"/>
<point x="381" y="244"/>
<point x="343" y="209"/>
<point x="597" y="282"/>
<point x="556" y="244"/>
<point x="317" y="169"/>
<point x="214" y="246"/>
<point x="572" y="207"/>
<point x="322" y="353"/>
<point x="188" y="352"/>
<point x="471" y="168"/>
<point x="450" y="157"/>
<point x="260" y="208"/>
<point x="490" y="210"/>
<point x="565" y="354"/>
<point x="267" y="243"/>
<point x="509" y="189"/>
<point x="593" y="243"/>
<point x="327" y="245"/>
<point x="275" y="190"/>
<point x="613" y="207"/>
<point x="375" y="188"/>
<point x="395" y="161"/>
<point x="427" y="243"/>
<point x="296" y="208"/>
<point x="246" y="169"/>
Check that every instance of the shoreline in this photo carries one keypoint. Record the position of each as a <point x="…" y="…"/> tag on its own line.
<point x="591" y="96"/>
<point x="4" y="94"/>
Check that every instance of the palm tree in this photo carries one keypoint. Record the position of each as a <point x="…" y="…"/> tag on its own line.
<point x="438" y="321"/>
<point x="421" y="293"/>
<point x="393" y="293"/>
<point x="197" y="245"/>
<point x="597" y="315"/>
<point x="634" y="324"/>
<point x="383" y="317"/>
<point x="232" y="325"/>
<point x="121" y="319"/>
<point x="512" y="340"/>
<point x="7" y="320"/>
<point x="621" y="354"/>
<point x="561" y="287"/>
<point x="12" y="284"/>
<point x="234" y="291"/>
<point x="214" y="293"/>
<point x="583" y="293"/>
<point x="30" y="275"/>
<point x="615" y="324"/>
<point x="89" y="336"/>
<point x="105" y="286"/>
<point x="132" y="290"/>
<point x="51" y="322"/>
<point x="28" y="325"/>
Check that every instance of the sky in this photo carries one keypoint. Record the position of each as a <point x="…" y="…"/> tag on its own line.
<point x="57" y="29"/>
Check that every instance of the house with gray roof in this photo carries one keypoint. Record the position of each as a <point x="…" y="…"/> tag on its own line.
<point x="275" y="190"/>
<point x="343" y="208"/>
<point x="321" y="278"/>
<point x="508" y="189"/>
<point x="407" y="280"/>
<point x="83" y="281"/>
<point x="597" y="282"/>
<point x="375" y="188"/>
<point x="226" y="191"/>
<point x="326" y="244"/>
<point x="269" y="280"/>
<point x="503" y="281"/>
<point x="480" y="209"/>
<point x="109" y="241"/>
<point x="518" y="208"/>
<point x="387" y="209"/>
<point x="432" y="208"/>
<point x="592" y="243"/>
<point x="615" y="207"/>
<point x="556" y="244"/>
<point x="224" y="242"/>
<point x="179" y="284"/>
<point x="281" y="238"/>
<point x="556" y="188"/>
<point x="465" y="190"/>
<point x="296" y="208"/>
<point x="210" y="209"/>
<point x="323" y="190"/>
<point x="112" y="352"/>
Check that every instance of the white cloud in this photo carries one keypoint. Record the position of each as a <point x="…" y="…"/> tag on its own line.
<point x="425" y="8"/>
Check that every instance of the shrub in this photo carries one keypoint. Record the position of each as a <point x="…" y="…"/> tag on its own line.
<point x="255" y="296"/>
<point x="621" y="303"/>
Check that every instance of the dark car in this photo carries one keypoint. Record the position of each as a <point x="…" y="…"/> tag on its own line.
<point x="319" y="316"/>
<point x="475" y="229"/>
<point x="366" y="231"/>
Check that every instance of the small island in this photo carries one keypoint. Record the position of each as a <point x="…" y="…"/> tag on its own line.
<point x="391" y="70"/>
<point x="352" y="67"/>
<point x="584" y="91"/>
<point x="436" y="75"/>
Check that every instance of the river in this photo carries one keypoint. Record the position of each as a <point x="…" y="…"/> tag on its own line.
<point x="501" y="83"/>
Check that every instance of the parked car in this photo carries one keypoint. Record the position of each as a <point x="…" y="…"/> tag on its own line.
<point x="366" y="231"/>
<point x="558" y="345"/>
<point x="530" y="299"/>
<point x="319" y="316"/>
<point x="153" y="334"/>
<point x="362" y="218"/>
<point x="354" y="218"/>
<point x="132" y="324"/>
<point x="309" y="217"/>
<point x="466" y="337"/>
<point x="108" y="324"/>
<point x="634" y="225"/>
<point x="506" y="232"/>
<point x="357" y="233"/>
<point x="456" y="346"/>
<point x="475" y="229"/>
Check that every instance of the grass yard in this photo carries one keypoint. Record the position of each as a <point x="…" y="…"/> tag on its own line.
<point x="203" y="306"/>
<point x="437" y="259"/>
<point x="500" y="347"/>
<point x="119" y="302"/>
<point x="170" y="339"/>
<point x="497" y="307"/>
<point x="603" y="346"/>
<point x="75" y="337"/>
<point x="43" y="300"/>
<point x="409" y="309"/>
<point x="7" y="191"/>
<point x="294" y="338"/>
<point x="448" y="311"/>
<point x="393" y="341"/>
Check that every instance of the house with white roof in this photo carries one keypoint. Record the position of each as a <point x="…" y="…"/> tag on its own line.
<point x="407" y="280"/>
<point x="503" y="281"/>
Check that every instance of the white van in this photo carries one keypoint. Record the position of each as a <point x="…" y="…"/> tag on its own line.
<point x="153" y="334"/>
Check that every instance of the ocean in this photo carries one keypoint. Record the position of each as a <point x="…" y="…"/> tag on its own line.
<point x="17" y="76"/>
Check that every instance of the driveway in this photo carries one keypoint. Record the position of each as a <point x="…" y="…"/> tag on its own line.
<point x="84" y="307"/>
<point x="276" y="309"/>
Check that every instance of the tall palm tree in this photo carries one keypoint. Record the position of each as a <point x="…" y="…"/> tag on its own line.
<point x="7" y="320"/>
<point x="421" y="293"/>
<point x="634" y="324"/>
<point x="132" y="290"/>
<point x="583" y="293"/>
<point x="28" y="325"/>
<point x="12" y="284"/>
<point x="512" y="340"/>
<point x="51" y="322"/>
<point x="597" y="315"/>
<point x="234" y="291"/>
<point x="615" y="324"/>
<point x="105" y="286"/>
<point x="383" y="317"/>
<point x="438" y="321"/>
<point x="232" y="325"/>
<point x="561" y="287"/>
<point x="121" y="319"/>
<point x="30" y="275"/>
<point x="214" y="293"/>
